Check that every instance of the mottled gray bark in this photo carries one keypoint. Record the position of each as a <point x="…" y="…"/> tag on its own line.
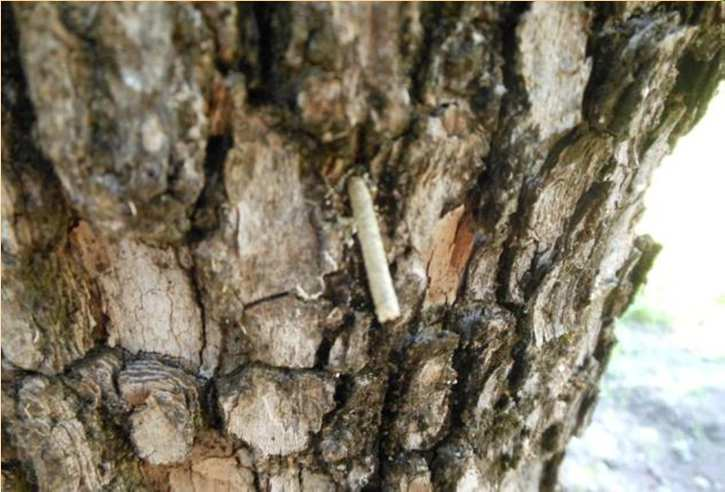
<point x="184" y="300"/>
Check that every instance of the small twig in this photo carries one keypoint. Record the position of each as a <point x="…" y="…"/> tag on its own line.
<point x="376" y="264"/>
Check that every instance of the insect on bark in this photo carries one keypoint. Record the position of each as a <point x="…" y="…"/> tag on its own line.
<point x="376" y="264"/>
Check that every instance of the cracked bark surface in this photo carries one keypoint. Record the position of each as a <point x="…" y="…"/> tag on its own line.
<point x="184" y="301"/>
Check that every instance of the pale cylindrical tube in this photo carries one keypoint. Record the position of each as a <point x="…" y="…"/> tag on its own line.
<point x="376" y="264"/>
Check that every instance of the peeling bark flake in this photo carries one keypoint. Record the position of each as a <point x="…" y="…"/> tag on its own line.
<point x="448" y="256"/>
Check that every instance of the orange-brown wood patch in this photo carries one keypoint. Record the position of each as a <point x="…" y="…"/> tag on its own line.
<point x="449" y="254"/>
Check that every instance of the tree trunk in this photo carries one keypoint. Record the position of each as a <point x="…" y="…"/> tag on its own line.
<point x="185" y="304"/>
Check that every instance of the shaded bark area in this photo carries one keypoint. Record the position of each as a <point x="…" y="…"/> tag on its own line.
<point x="184" y="303"/>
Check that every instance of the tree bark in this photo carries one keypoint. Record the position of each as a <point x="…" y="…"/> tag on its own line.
<point x="185" y="305"/>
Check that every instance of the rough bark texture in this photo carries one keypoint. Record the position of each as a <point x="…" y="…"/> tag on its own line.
<point x="184" y="302"/>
